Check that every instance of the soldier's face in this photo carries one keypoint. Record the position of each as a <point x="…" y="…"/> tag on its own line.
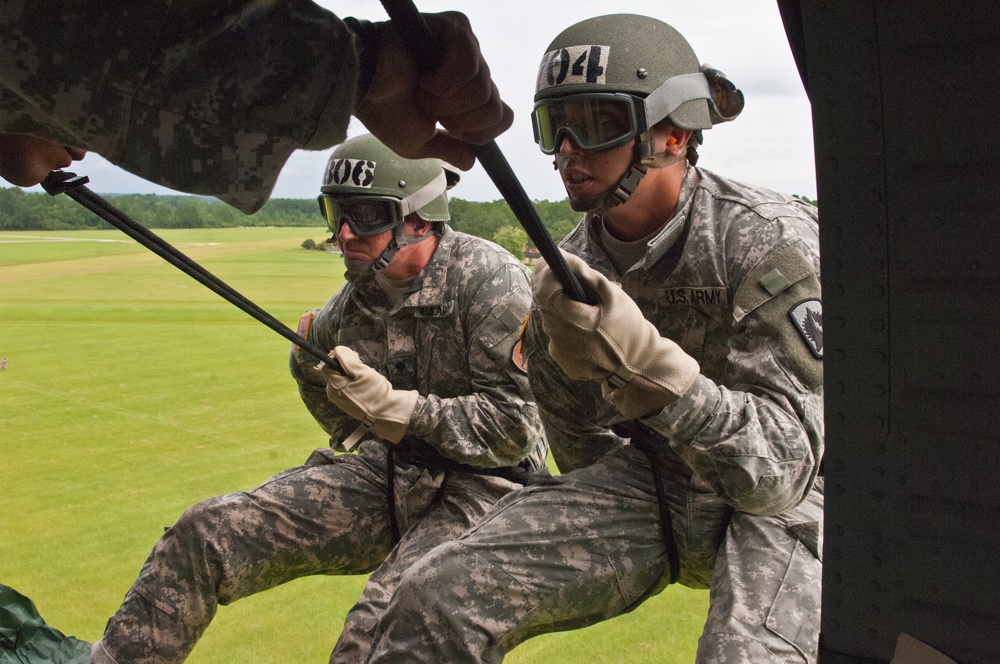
<point x="588" y="175"/>
<point x="25" y="160"/>
<point x="359" y="249"/>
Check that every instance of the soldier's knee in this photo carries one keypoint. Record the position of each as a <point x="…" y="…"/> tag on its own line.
<point x="203" y="522"/>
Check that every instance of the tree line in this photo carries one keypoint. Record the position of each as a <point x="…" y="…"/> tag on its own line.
<point x="30" y="211"/>
<point x="491" y="220"/>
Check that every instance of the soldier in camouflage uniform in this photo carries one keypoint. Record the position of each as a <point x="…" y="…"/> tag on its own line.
<point x="423" y="332"/>
<point x="213" y="97"/>
<point x="686" y="402"/>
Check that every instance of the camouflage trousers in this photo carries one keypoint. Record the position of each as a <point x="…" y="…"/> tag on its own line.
<point x="329" y="516"/>
<point x="586" y="546"/>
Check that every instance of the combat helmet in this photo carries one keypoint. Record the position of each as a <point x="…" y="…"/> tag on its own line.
<point x="636" y="70"/>
<point x="371" y="188"/>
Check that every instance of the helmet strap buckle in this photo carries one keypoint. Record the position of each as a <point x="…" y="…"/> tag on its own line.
<point x="384" y="258"/>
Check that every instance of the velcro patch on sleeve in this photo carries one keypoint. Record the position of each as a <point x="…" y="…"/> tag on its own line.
<point x="771" y="278"/>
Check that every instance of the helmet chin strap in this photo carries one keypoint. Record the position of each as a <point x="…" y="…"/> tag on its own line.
<point x="412" y="203"/>
<point x="383" y="259"/>
<point x="399" y="240"/>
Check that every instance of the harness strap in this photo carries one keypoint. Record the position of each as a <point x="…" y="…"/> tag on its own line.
<point x="417" y="451"/>
<point x="666" y="522"/>
<point x="643" y="438"/>
<point x="390" y="492"/>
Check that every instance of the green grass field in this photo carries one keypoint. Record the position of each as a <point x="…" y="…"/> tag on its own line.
<point x="132" y="392"/>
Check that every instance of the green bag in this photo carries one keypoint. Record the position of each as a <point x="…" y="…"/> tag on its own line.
<point x="26" y="639"/>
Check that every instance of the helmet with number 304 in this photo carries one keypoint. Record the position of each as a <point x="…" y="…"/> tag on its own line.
<point x="623" y="73"/>
<point x="607" y="81"/>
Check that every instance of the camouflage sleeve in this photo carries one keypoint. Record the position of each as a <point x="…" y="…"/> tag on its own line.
<point x="568" y="408"/>
<point x="203" y="97"/>
<point x="312" y="385"/>
<point x="497" y="424"/>
<point x="756" y="435"/>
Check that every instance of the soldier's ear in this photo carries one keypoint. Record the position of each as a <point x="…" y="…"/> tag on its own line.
<point x="421" y="226"/>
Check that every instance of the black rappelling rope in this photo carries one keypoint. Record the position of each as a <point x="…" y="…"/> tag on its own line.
<point x="422" y="47"/>
<point x="58" y="182"/>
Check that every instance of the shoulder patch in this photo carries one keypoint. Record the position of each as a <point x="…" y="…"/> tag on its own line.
<point x="808" y="319"/>
<point x="302" y="329"/>
<point x="517" y="354"/>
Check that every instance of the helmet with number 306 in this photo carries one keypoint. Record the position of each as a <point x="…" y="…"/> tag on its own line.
<point x="372" y="189"/>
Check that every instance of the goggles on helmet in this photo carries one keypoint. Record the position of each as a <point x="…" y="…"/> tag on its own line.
<point x="604" y="120"/>
<point x="373" y="214"/>
<point x="366" y="215"/>
<point x="727" y="100"/>
<point x="594" y="121"/>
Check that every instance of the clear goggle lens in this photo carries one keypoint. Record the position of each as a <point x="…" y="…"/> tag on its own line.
<point x="366" y="215"/>
<point x="593" y="121"/>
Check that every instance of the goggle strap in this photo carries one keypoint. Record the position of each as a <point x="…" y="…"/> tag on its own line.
<point x="421" y="197"/>
<point x="666" y="99"/>
<point x="646" y="146"/>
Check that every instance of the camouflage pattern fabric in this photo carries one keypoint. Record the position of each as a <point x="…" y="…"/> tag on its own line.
<point x="203" y="97"/>
<point x="739" y="454"/>
<point x="451" y="338"/>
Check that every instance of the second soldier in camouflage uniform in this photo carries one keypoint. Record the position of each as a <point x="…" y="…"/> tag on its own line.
<point x="687" y="402"/>
<point x="423" y="333"/>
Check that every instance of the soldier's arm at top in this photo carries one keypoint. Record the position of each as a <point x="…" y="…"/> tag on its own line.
<point x="212" y="98"/>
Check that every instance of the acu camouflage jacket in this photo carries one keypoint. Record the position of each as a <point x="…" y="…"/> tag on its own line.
<point x="733" y="278"/>
<point x="451" y="339"/>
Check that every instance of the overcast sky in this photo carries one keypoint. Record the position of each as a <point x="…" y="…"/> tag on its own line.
<point x="770" y="144"/>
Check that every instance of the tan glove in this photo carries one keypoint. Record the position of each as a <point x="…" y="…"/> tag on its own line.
<point x="367" y="395"/>
<point x="612" y="342"/>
